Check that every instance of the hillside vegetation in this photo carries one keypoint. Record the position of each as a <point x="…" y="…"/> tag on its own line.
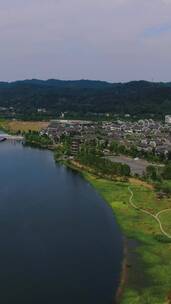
<point x="24" y="98"/>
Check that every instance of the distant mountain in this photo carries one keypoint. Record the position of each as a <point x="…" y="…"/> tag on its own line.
<point x="85" y="96"/>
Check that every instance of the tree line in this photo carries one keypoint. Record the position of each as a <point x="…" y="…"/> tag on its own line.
<point x="22" y="99"/>
<point x="90" y="157"/>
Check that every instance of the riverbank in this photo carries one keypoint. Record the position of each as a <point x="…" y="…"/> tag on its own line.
<point x="148" y="277"/>
<point x="146" y="267"/>
<point x="53" y="218"/>
<point x="36" y="144"/>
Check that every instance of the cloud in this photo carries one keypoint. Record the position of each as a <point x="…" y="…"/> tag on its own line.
<point x="157" y="30"/>
<point x="102" y="39"/>
<point x="166" y="1"/>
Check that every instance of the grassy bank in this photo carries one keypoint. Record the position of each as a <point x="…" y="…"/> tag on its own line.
<point x="35" y="144"/>
<point x="146" y="275"/>
<point x="148" y="264"/>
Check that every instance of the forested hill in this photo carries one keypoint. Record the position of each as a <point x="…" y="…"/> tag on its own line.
<point x="84" y="96"/>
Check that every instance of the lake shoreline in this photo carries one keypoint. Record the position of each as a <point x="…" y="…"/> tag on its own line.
<point x="124" y="273"/>
<point x="137" y="258"/>
<point x="74" y="228"/>
<point x="124" y="267"/>
<point x="142" y="239"/>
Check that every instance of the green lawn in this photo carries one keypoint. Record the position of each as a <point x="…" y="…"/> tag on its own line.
<point x="166" y="220"/>
<point x="149" y="271"/>
<point x="167" y="183"/>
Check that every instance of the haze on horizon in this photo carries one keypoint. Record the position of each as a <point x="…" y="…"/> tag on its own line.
<point x="112" y="40"/>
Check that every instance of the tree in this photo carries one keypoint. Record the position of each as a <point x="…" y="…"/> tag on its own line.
<point x="167" y="171"/>
<point x="114" y="147"/>
<point x="151" y="172"/>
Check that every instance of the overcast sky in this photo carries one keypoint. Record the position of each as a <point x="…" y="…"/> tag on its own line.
<point x="113" y="40"/>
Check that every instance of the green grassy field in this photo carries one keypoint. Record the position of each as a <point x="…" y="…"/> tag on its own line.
<point x="149" y="270"/>
<point x="166" y="220"/>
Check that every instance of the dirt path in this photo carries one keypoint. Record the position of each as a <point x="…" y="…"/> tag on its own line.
<point x="155" y="216"/>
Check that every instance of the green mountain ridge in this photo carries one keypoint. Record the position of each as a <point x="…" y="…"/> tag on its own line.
<point x="86" y="96"/>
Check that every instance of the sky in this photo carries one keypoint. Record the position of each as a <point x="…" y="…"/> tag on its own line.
<point x="112" y="40"/>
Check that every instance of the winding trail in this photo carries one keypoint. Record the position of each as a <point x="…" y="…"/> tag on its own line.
<point x="156" y="217"/>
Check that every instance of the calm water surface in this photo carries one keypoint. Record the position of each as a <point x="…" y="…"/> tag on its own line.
<point x="59" y="242"/>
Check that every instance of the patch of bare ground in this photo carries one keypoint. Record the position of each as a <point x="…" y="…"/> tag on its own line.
<point x="24" y="126"/>
<point x="138" y="182"/>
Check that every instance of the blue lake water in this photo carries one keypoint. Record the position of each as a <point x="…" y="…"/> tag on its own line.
<point x="59" y="241"/>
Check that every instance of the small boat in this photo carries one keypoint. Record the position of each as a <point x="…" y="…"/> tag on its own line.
<point x="2" y="139"/>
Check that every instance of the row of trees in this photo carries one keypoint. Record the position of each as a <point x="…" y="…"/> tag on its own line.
<point x="161" y="177"/>
<point x="33" y="137"/>
<point x="156" y="173"/>
<point x="91" y="157"/>
<point x="117" y="148"/>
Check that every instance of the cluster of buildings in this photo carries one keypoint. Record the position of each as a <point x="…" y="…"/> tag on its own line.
<point x="147" y="135"/>
<point x="77" y="130"/>
<point x="168" y="119"/>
